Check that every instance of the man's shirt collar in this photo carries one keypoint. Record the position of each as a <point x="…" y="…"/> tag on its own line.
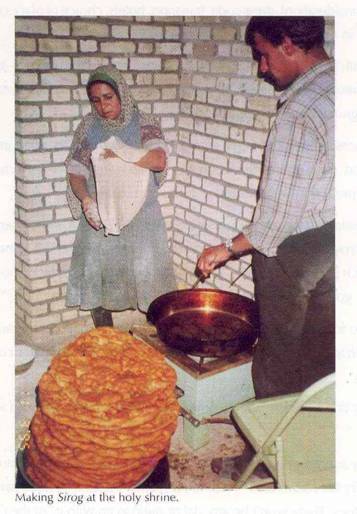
<point x="305" y="78"/>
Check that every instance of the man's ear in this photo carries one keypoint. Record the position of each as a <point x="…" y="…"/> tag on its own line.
<point x="288" y="47"/>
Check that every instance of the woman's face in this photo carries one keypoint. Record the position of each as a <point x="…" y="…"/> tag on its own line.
<point x="105" y="100"/>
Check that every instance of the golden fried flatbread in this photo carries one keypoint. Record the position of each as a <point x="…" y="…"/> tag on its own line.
<point x="88" y="455"/>
<point x="58" y="475"/>
<point x="107" y="439"/>
<point x="114" y="373"/>
<point x="83" y="448"/>
<point x="56" y="405"/>
<point x="107" y="411"/>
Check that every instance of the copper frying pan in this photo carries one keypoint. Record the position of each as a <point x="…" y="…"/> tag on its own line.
<point x="205" y="322"/>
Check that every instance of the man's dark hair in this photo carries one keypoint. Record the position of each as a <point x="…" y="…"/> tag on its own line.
<point x="306" y="32"/>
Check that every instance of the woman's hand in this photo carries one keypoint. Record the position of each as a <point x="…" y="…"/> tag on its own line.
<point x="154" y="160"/>
<point x="109" y="154"/>
<point x="212" y="257"/>
<point x="91" y="213"/>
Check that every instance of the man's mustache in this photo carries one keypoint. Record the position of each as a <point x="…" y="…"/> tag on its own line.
<point x="268" y="77"/>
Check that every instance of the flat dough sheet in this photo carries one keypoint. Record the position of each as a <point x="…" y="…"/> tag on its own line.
<point x="121" y="187"/>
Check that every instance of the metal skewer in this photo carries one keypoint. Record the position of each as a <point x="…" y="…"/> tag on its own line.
<point x="230" y="285"/>
<point x="196" y="283"/>
<point x="235" y="280"/>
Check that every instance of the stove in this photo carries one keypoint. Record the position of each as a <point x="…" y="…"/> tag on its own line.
<point x="206" y="386"/>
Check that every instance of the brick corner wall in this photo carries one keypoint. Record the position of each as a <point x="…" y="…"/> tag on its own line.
<point x="197" y="75"/>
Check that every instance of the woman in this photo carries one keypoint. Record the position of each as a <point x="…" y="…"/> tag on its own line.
<point x="131" y="268"/>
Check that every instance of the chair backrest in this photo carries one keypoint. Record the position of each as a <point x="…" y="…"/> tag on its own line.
<point x="320" y="395"/>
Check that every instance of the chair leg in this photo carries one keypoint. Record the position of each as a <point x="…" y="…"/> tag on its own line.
<point x="280" y="463"/>
<point x="257" y="459"/>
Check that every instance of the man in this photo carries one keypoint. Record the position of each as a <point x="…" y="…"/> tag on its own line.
<point x="292" y="232"/>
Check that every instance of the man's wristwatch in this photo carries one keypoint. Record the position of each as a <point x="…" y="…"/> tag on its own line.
<point x="229" y="245"/>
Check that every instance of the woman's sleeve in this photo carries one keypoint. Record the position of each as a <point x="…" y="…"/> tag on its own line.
<point x="77" y="163"/>
<point x="78" y="159"/>
<point x="77" y="168"/>
<point x="152" y="138"/>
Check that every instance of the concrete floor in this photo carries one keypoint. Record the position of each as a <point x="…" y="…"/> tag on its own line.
<point x="191" y="468"/>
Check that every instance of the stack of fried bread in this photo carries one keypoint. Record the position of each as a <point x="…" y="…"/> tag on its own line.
<point x="107" y="410"/>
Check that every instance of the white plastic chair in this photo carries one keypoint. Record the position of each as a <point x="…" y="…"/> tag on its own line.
<point x="293" y="435"/>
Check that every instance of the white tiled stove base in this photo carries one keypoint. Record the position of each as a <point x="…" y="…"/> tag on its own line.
<point x="208" y="395"/>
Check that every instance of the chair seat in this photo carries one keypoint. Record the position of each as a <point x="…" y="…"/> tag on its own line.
<point x="258" y="418"/>
<point x="306" y="479"/>
<point x="307" y="441"/>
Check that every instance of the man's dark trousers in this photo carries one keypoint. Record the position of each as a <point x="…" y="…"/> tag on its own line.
<point x="295" y="292"/>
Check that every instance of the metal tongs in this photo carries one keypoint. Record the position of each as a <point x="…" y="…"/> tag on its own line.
<point x="230" y="285"/>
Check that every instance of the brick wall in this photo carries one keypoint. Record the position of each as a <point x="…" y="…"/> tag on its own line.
<point x="197" y="75"/>
<point x="224" y="118"/>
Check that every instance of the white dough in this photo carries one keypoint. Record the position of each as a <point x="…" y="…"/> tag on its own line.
<point x="121" y="184"/>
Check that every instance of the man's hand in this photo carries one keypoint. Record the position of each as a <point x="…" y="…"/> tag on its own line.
<point x="212" y="257"/>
